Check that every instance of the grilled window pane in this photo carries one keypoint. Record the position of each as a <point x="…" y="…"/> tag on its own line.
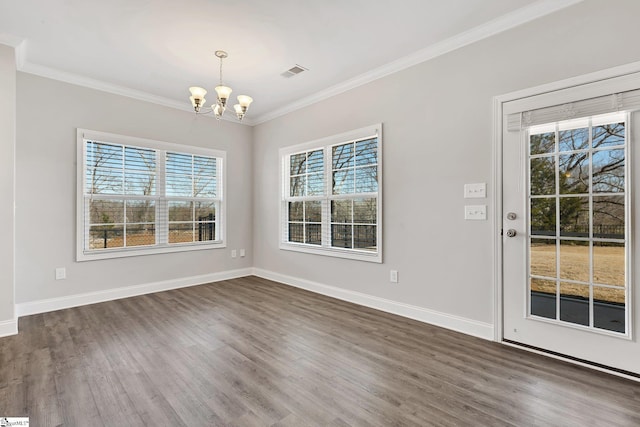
<point x="296" y="211"/>
<point x="367" y="179"/>
<point x="141" y="211"/>
<point x="106" y="211"/>
<point x="315" y="161"/>
<point x="365" y="211"/>
<point x="205" y="176"/>
<point x="343" y="181"/>
<point x="542" y="143"/>
<point x="180" y="211"/>
<point x="574" y="139"/>
<point x="341" y="211"/>
<point x="342" y="156"/>
<point x="608" y="135"/>
<point x="367" y="152"/>
<point x="313" y="211"/>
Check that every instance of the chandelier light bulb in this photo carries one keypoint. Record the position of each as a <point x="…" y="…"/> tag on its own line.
<point x="223" y="94"/>
<point x="244" y="101"/>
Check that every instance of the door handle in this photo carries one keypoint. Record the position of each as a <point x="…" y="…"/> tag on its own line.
<point x="511" y="232"/>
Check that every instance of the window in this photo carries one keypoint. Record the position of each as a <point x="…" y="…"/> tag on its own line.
<point x="331" y="196"/>
<point x="138" y="197"/>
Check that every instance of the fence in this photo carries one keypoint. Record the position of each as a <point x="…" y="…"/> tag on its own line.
<point x="342" y="235"/>
<point x="114" y="237"/>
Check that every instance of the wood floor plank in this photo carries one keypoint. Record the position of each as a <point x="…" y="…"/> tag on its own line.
<point x="252" y="352"/>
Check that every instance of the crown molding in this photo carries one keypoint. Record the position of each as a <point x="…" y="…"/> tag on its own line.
<point x="518" y="17"/>
<point x="506" y="22"/>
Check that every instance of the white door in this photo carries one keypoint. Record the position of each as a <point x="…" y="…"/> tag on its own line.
<point x="567" y="238"/>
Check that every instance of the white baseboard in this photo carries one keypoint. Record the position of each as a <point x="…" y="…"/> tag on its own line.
<point x="8" y="327"/>
<point x="448" y="321"/>
<point x="43" y="306"/>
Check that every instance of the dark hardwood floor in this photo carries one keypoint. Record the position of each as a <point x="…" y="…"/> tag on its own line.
<point x="251" y="352"/>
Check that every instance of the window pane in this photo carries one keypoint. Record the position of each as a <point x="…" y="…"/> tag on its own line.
<point x="608" y="171"/>
<point x="179" y="185"/>
<point x="543" y="216"/>
<point x="542" y="257"/>
<point x="543" y="173"/>
<point x="574" y="260"/>
<point x="313" y="211"/>
<point x="367" y="152"/>
<point x="296" y="232"/>
<point x="313" y="234"/>
<point x="139" y="183"/>
<point x="315" y="161"/>
<point x="364" y="237"/>
<point x="104" y="168"/>
<point x="106" y="236"/>
<point x="297" y="185"/>
<point x="205" y="231"/>
<point x="367" y="179"/>
<point x="609" y="309"/>
<point x="342" y="156"/>
<point x="574" y="139"/>
<point x="180" y="211"/>
<point x="104" y="181"/>
<point x="141" y="211"/>
<point x="141" y="235"/>
<point x="574" y="303"/>
<point x="180" y="232"/>
<point x="542" y="143"/>
<point x="179" y="164"/>
<point x="341" y="211"/>
<point x="608" y="217"/>
<point x="608" y="135"/>
<point x="296" y="211"/>
<point x="106" y="211"/>
<point x="365" y="211"/>
<point x="574" y="216"/>
<point x="608" y="263"/>
<point x="574" y="173"/>
<point x="543" y="298"/>
<point x="141" y="159"/>
<point x="297" y="163"/>
<point x="343" y="182"/>
<point x="341" y="235"/>
<point x="205" y="211"/>
<point x="315" y="184"/>
<point x="205" y="176"/>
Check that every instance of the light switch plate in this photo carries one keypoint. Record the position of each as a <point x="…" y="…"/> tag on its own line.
<point x="475" y="212"/>
<point x="475" y="191"/>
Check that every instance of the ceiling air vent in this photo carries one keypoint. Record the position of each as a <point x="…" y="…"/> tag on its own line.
<point x="295" y="70"/>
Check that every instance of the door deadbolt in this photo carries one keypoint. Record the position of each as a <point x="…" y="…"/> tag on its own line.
<point x="511" y="232"/>
<point x="511" y="216"/>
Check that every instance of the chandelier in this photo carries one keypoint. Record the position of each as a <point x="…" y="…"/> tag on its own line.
<point x="218" y="108"/>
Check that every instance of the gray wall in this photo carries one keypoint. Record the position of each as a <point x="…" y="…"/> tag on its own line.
<point x="7" y="170"/>
<point x="48" y="114"/>
<point x="437" y="127"/>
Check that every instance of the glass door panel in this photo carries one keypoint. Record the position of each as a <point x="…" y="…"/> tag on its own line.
<point x="577" y="223"/>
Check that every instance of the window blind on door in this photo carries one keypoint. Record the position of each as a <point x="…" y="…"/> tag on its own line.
<point x="615" y="102"/>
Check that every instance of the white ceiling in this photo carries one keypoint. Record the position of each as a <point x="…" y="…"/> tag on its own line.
<point x="156" y="49"/>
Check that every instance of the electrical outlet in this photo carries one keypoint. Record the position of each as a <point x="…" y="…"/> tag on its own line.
<point x="393" y="276"/>
<point x="61" y="273"/>
<point x="234" y="253"/>
<point x="242" y="253"/>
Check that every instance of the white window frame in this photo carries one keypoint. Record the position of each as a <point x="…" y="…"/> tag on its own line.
<point x="161" y="218"/>
<point x="326" y="144"/>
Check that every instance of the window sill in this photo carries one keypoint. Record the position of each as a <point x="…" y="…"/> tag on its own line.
<point x="139" y="251"/>
<point x="353" y="254"/>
